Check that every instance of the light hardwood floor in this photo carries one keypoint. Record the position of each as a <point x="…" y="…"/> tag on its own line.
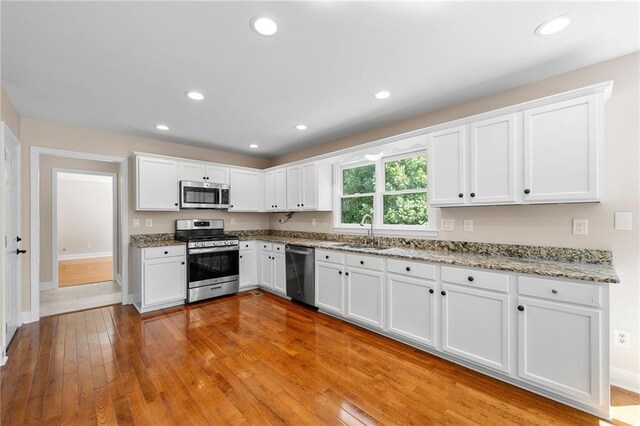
<point x="85" y="271"/>
<point x="248" y="359"/>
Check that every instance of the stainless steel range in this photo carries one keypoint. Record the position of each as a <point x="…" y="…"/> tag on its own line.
<point x="213" y="258"/>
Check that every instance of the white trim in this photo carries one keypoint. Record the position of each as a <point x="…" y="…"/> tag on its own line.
<point x="34" y="174"/>
<point x="26" y="317"/>
<point x="3" y="360"/>
<point x="47" y="285"/>
<point x="625" y="379"/>
<point x="86" y="256"/>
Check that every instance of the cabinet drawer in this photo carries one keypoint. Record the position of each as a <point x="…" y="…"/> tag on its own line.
<point x="367" y="262"/>
<point x="264" y="246"/>
<point x="474" y="278"/>
<point x="157" y="252"/>
<point x="329" y="256"/>
<point x="413" y="269"/>
<point x="278" y="248"/>
<point x="583" y="294"/>
<point x="247" y="245"/>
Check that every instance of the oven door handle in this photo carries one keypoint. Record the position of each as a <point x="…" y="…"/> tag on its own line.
<point x="214" y="249"/>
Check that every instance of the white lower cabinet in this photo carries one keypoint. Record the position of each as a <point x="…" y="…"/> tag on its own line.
<point x="365" y="296"/>
<point x="559" y="348"/>
<point x="273" y="275"/>
<point x="412" y="313"/>
<point x="266" y="270"/>
<point x="279" y="273"/>
<point x="160" y="277"/>
<point x="330" y="287"/>
<point x="248" y="269"/>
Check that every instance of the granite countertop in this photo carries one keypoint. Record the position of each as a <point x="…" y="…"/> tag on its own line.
<point x="595" y="272"/>
<point x="156" y="243"/>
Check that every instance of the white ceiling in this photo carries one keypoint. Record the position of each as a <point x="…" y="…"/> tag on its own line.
<point x="125" y="66"/>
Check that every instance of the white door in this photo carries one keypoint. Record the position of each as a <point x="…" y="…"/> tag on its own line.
<point x="546" y="329"/>
<point x="329" y="287"/>
<point x="309" y="189"/>
<point x="266" y="270"/>
<point x="492" y="160"/>
<point x="475" y="325"/>
<point x="279" y="274"/>
<point x="247" y="275"/>
<point x="560" y="151"/>
<point x="365" y="296"/>
<point x="244" y="191"/>
<point x="165" y="280"/>
<point x="270" y="191"/>
<point x="193" y="172"/>
<point x="446" y="167"/>
<point x="294" y="183"/>
<point x="281" y="189"/>
<point x="12" y="259"/>
<point x="412" y="308"/>
<point x="158" y="185"/>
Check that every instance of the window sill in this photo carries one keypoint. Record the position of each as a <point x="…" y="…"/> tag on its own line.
<point x="386" y="232"/>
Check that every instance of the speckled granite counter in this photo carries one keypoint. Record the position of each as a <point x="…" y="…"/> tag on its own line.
<point x="154" y="240"/>
<point x="600" y="271"/>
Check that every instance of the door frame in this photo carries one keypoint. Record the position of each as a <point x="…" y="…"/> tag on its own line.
<point x="123" y="231"/>
<point x="54" y="219"/>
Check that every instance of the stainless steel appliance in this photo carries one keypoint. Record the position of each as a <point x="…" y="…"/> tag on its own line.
<point x="300" y="273"/>
<point x="203" y="195"/>
<point x="213" y="257"/>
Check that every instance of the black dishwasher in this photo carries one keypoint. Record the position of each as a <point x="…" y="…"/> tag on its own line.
<point x="301" y="277"/>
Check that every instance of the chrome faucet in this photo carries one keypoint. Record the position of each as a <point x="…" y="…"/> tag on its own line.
<point x="370" y="231"/>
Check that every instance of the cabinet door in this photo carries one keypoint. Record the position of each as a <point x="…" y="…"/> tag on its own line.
<point x="157" y="184"/>
<point x="247" y="268"/>
<point x="244" y="192"/>
<point x="446" y="164"/>
<point x="217" y="174"/>
<point x="560" y="151"/>
<point x="281" y="189"/>
<point x="475" y="326"/>
<point x="270" y="191"/>
<point x="294" y="184"/>
<point x="559" y="348"/>
<point x="365" y="296"/>
<point x="412" y="308"/>
<point x="492" y="160"/>
<point x="309" y="189"/>
<point x="279" y="274"/>
<point x="266" y="270"/>
<point x="164" y="281"/>
<point x="194" y="172"/>
<point x="329" y="287"/>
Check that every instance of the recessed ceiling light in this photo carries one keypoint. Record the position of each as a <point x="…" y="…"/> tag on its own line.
<point x="301" y="127"/>
<point x="196" y="96"/>
<point x="383" y="94"/>
<point x="553" y="25"/>
<point x="263" y="25"/>
<point x="162" y="127"/>
<point x="253" y="145"/>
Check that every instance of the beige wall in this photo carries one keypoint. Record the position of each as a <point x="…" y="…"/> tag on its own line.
<point x="47" y="164"/>
<point x="8" y="112"/>
<point x="550" y="224"/>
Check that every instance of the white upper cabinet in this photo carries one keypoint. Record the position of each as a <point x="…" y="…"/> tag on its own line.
<point x="309" y="187"/>
<point x="245" y="190"/>
<point x="216" y="174"/>
<point x="275" y="190"/>
<point x="294" y="184"/>
<point x="270" y="191"/>
<point x="446" y="164"/>
<point x="492" y="161"/>
<point x="561" y="151"/>
<point x="156" y="183"/>
<point x="201" y="172"/>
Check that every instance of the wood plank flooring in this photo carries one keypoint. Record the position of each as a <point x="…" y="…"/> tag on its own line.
<point x="85" y="271"/>
<point x="247" y="359"/>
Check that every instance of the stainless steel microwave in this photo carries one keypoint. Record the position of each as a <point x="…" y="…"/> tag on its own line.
<point x="203" y="195"/>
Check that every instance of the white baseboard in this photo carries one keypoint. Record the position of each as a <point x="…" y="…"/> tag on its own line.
<point x="26" y="317"/>
<point x="3" y="360"/>
<point x="84" y="255"/>
<point x="47" y="286"/>
<point x="129" y="299"/>
<point x="625" y="379"/>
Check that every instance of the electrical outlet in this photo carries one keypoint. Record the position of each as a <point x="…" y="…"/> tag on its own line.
<point x="621" y="338"/>
<point x="622" y="221"/>
<point x="149" y="223"/>
<point x="136" y="223"/>
<point x="447" y="225"/>
<point x="468" y="226"/>
<point x="89" y="245"/>
<point x="233" y="221"/>
<point x="313" y="221"/>
<point x="579" y="226"/>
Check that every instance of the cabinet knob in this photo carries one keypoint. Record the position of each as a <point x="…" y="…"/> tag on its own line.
<point x="240" y="256"/>
<point x="231" y="206"/>
<point x="444" y="293"/>
<point x="470" y="279"/>
<point x="473" y="194"/>
<point x="204" y="178"/>
<point x="175" y="204"/>
<point x="166" y="252"/>
<point x="554" y="291"/>
<point x="461" y="195"/>
<point x="18" y="239"/>
<point x="301" y="205"/>
<point x="269" y="257"/>
<point x="520" y="308"/>
<point x="431" y="291"/>
<point x="527" y="191"/>
<point x="408" y="269"/>
<point x="183" y="262"/>
<point x="276" y="206"/>
<point x="346" y="273"/>
<point x="326" y="257"/>
<point x="340" y="272"/>
<point x="298" y="205"/>
<point x="362" y="262"/>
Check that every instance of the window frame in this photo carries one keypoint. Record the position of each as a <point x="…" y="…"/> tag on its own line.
<point x="341" y="196"/>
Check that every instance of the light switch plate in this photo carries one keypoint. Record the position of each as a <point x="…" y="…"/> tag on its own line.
<point x="622" y="221"/>
<point x="149" y="223"/>
<point x="468" y="226"/>
<point x="579" y="226"/>
<point x="233" y="221"/>
<point x="447" y="225"/>
<point x="136" y="223"/>
<point x="313" y="221"/>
